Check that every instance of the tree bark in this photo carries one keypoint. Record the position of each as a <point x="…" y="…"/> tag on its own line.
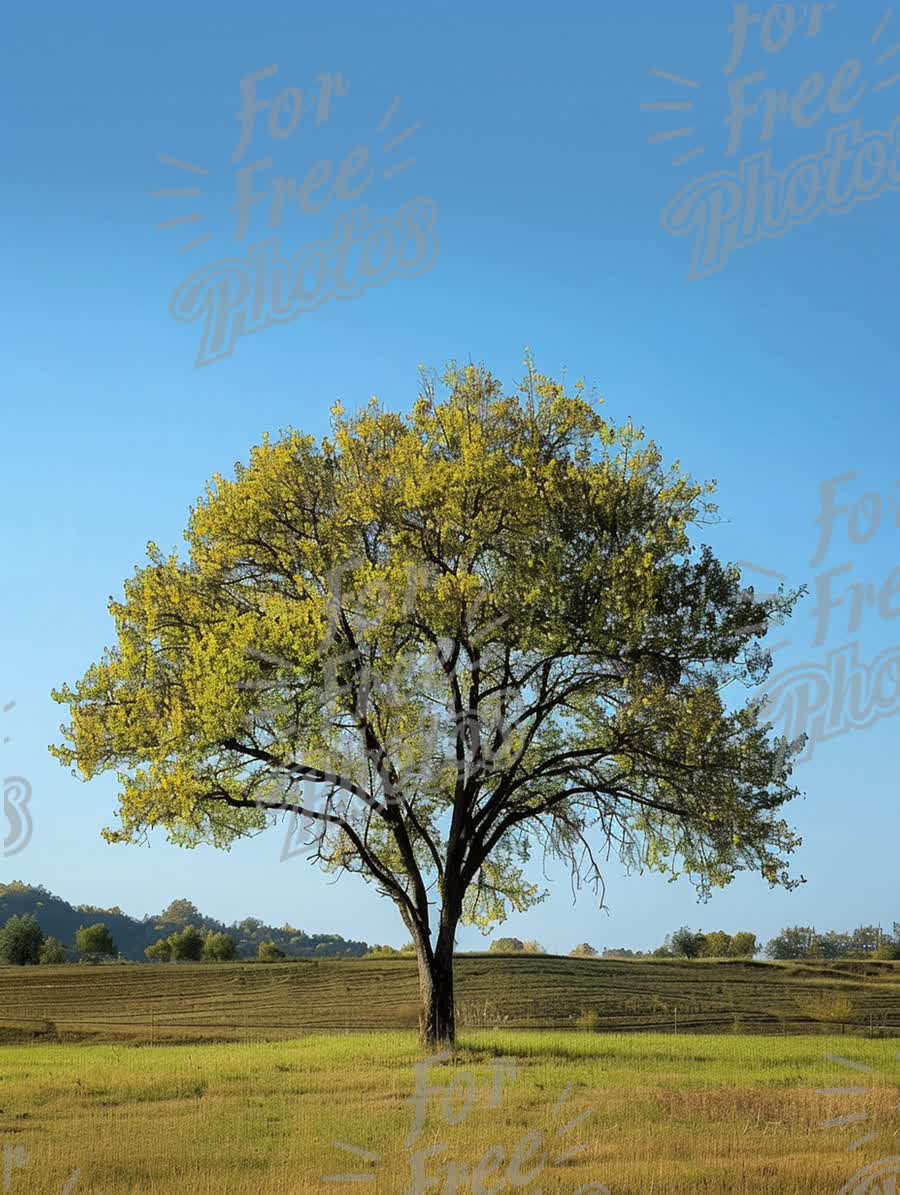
<point x="437" y="1012"/>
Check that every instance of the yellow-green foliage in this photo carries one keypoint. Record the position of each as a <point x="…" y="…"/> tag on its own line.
<point x="489" y="607"/>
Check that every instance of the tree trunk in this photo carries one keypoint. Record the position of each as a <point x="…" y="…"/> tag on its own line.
<point x="437" y="1013"/>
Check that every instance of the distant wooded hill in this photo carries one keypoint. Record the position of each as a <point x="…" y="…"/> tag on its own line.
<point x="132" y="935"/>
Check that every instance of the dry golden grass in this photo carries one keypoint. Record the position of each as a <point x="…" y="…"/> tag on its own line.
<point x="653" y="1114"/>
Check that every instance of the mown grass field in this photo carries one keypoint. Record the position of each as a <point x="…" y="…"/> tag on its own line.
<point x="638" y="1113"/>
<point x="197" y="1002"/>
<point x="276" y="1078"/>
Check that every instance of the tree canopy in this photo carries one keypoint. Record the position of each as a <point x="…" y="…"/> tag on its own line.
<point x="444" y="640"/>
<point x="186" y="945"/>
<point x="94" y="941"/>
<point x="21" y="939"/>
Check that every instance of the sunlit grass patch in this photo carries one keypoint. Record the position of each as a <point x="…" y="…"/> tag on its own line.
<point x="652" y="1113"/>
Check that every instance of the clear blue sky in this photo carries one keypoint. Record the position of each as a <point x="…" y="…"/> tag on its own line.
<point x="772" y="374"/>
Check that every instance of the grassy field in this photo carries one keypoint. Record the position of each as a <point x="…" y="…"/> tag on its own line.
<point x="228" y="1002"/>
<point x="269" y="1078"/>
<point x="638" y="1113"/>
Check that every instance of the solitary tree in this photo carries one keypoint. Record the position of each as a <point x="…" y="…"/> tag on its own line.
<point x="94" y="941"/>
<point x="21" y="939"/>
<point x="507" y="946"/>
<point x="441" y="641"/>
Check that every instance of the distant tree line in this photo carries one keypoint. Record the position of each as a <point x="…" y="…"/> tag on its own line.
<point x="683" y="943"/>
<point x="192" y="946"/>
<point x="796" y="942"/>
<point x="61" y="921"/>
<point x="22" y="943"/>
<point x="805" y="942"/>
<point x="37" y="927"/>
<point x="689" y="943"/>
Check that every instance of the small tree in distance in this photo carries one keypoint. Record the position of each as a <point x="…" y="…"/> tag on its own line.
<point x="219" y="948"/>
<point x="94" y="942"/>
<point x="686" y="943"/>
<point x="584" y="950"/>
<point x="20" y="941"/>
<point x="269" y="953"/>
<point x="180" y="912"/>
<point x="716" y="944"/>
<point x="187" y="945"/>
<point x="743" y="945"/>
<point x="52" y="952"/>
<point x="507" y="946"/>
<point x="796" y="941"/>
<point x="159" y="952"/>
